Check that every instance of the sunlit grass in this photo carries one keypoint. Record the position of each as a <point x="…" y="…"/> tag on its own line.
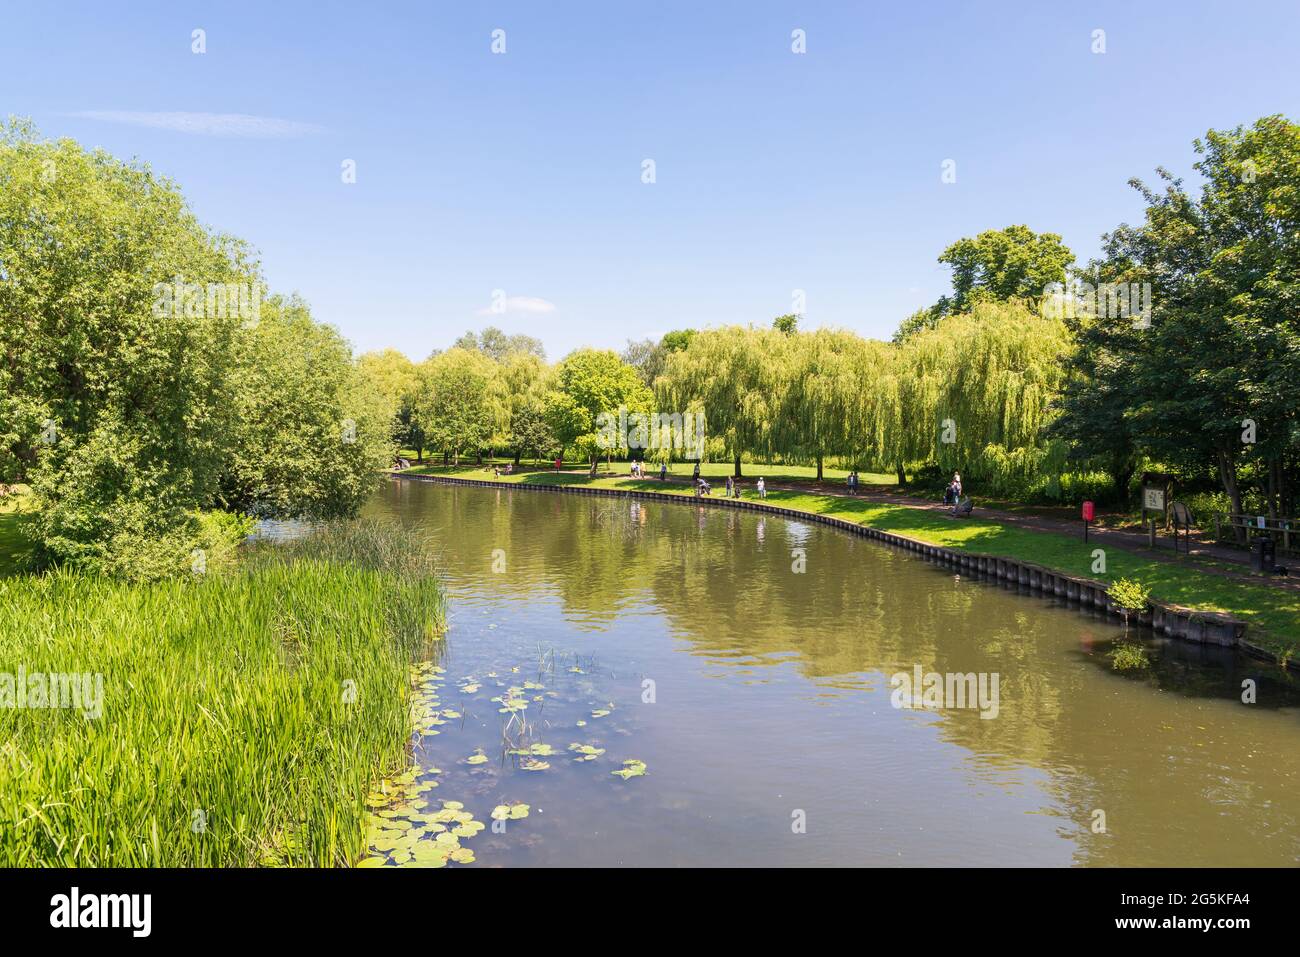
<point x="245" y="714"/>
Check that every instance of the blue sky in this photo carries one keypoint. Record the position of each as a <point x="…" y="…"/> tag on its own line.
<point x="522" y="171"/>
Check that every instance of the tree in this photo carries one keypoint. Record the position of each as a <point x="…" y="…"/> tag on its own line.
<point x="998" y="265"/>
<point x="313" y="430"/>
<point x="591" y="383"/>
<point x="649" y="357"/>
<point x="116" y="350"/>
<point x="524" y="377"/>
<point x="786" y="324"/>
<point x="1211" y="378"/>
<point x="976" y="393"/>
<point x="729" y="374"/>
<point x="498" y="346"/>
<point x="454" y="401"/>
<point x="392" y="375"/>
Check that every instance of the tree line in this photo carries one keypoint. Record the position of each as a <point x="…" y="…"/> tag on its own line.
<point x="139" y="398"/>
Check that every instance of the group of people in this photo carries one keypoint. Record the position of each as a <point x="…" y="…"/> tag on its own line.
<point x="853" y="482"/>
<point x="733" y="487"/>
<point x="638" y="470"/>
<point x="498" y="471"/>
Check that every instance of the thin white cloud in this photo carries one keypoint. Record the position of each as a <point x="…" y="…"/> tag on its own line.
<point x="229" y="125"/>
<point x="529" y="305"/>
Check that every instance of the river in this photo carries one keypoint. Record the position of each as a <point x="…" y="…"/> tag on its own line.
<point x="747" y="661"/>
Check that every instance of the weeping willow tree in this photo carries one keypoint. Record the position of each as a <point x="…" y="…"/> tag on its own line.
<point x="828" y="401"/>
<point x="732" y="375"/>
<point x="975" y="393"/>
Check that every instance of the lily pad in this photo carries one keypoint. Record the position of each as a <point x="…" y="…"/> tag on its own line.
<point x="632" y="768"/>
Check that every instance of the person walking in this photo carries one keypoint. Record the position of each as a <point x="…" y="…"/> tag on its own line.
<point x="663" y="471"/>
<point x="956" y="486"/>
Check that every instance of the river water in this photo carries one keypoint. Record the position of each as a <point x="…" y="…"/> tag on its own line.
<point x="747" y="661"/>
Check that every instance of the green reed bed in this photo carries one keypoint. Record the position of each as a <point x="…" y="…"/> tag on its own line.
<point x="245" y="715"/>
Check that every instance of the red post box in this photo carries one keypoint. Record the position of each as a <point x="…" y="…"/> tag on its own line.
<point x="1087" y="512"/>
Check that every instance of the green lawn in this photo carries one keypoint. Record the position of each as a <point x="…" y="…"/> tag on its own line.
<point x="778" y="474"/>
<point x="1273" y="613"/>
<point x="12" y="543"/>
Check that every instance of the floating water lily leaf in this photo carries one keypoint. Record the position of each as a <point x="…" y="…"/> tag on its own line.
<point x="462" y="855"/>
<point x="371" y="862"/>
<point x="479" y="758"/>
<point x="631" y="769"/>
<point x="470" y="689"/>
<point x="453" y="805"/>
<point x="510" y="812"/>
<point x="449" y="713"/>
<point x="581" y="723"/>
<point x="599" y="713"/>
<point x="532" y="764"/>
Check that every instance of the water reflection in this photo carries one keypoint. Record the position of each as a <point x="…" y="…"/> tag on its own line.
<point x="773" y="695"/>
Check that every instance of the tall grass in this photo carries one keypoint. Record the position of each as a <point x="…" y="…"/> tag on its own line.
<point x="245" y="714"/>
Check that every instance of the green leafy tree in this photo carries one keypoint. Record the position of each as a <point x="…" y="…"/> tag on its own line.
<point x="998" y="265"/>
<point x="313" y="430"/>
<point x="114" y="398"/>
<point x="455" y="401"/>
<point x="1215" y="364"/>
<point x="592" y="383"/>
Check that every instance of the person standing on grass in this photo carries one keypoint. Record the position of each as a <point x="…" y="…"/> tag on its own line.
<point x="762" y="488"/>
<point x="696" y="474"/>
<point x="956" y="486"/>
<point x="663" y="471"/>
<point x="731" y="487"/>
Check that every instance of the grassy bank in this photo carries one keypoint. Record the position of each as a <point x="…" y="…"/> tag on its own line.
<point x="13" y="545"/>
<point x="244" y="715"/>
<point x="1273" y="613"/>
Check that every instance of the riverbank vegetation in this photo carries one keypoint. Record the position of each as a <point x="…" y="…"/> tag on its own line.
<point x="242" y="717"/>
<point x="149" y="380"/>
